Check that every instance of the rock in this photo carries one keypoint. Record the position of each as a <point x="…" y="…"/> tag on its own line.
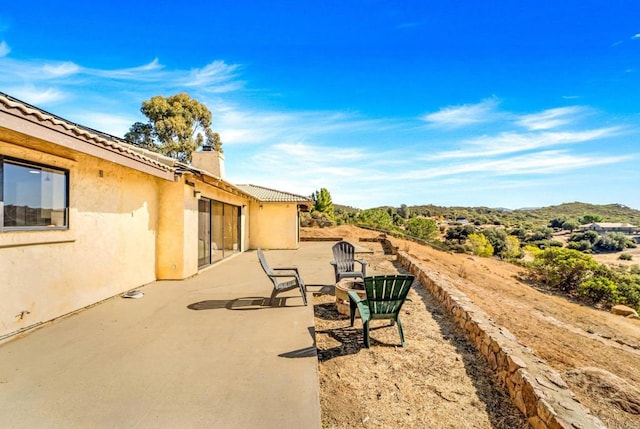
<point x="611" y="388"/>
<point x="623" y="310"/>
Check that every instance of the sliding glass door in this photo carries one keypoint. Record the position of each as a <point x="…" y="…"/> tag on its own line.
<point x="218" y="231"/>
<point x="217" y="226"/>
<point x="204" y="232"/>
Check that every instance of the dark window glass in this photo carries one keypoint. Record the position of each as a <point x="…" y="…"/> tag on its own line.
<point x="33" y="195"/>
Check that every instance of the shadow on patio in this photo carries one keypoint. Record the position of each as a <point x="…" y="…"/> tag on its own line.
<point x="162" y="361"/>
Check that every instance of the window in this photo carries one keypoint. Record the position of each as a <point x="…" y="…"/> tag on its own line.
<point x="32" y="196"/>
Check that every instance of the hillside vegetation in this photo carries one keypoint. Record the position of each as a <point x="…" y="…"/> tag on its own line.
<point x="547" y="240"/>
<point x="536" y="216"/>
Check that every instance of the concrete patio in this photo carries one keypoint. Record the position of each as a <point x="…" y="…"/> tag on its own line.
<point x="205" y="352"/>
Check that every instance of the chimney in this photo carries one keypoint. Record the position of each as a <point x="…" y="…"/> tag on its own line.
<point x="209" y="160"/>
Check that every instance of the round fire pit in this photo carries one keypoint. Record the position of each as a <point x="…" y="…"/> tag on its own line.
<point x="342" y="298"/>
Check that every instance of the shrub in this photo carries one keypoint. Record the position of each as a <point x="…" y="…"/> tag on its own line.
<point x="590" y="236"/>
<point x="613" y="241"/>
<point x="599" y="289"/>
<point x="497" y="237"/>
<point x="629" y="290"/>
<point x="582" y="245"/>
<point x="422" y="228"/>
<point x="625" y="257"/>
<point x="511" y="248"/>
<point x="459" y="232"/>
<point x="563" y="269"/>
<point x="480" y="246"/>
<point x="534" y="250"/>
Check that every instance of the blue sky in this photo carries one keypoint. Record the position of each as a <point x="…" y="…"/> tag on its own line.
<point x="495" y="103"/>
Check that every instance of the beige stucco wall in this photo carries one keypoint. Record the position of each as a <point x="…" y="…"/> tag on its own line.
<point x="126" y="228"/>
<point x="178" y="224"/>
<point x="273" y="225"/>
<point x="110" y="246"/>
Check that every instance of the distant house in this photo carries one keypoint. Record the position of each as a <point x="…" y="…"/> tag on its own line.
<point x="85" y="216"/>
<point x="604" y="227"/>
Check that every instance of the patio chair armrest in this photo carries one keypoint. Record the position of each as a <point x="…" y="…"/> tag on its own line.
<point x="334" y="263"/>
<point x="361" y="304"/>
<point x="295" y="269"/>
<point x="353" y="296"/>
<point x="361" y="262"/>
<point x="284" y="275"/>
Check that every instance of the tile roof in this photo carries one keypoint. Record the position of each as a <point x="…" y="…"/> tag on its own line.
<point x="97" y="138"/>
<point x="119" y="145"/>
<point x="608" y="225"/>
<point x="271" y="195"/>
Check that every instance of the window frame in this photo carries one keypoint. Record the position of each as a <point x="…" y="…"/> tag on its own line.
<point x="27" y="163"/>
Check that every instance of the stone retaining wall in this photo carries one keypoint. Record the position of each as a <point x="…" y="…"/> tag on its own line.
<point x="535" y="388"/>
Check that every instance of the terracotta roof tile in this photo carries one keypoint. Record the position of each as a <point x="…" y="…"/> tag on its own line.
<point x="95" y="137"/>
<point x="272" y="195"/>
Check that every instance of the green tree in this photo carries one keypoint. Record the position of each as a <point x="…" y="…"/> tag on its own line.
<point x="376" y="218"/>
<point x="178" y="125"/>
<point x="141" y="135"/>
<point x="590" y="236"/>
<point x="563" y="269"/>
<point x="497" y="237"/>
<point x="322" y="202"/>
<point x="591" y="218"/>
<point x="459" y="232"/>
<point x="422" y="228"/>
<point x="614" y="241"/>
<point x="404" y="211"/>
<point x="557" y="222"/>
<point x="571" y="225"/>
<point x="479" y="244"/>
<point x="541" y="233"/>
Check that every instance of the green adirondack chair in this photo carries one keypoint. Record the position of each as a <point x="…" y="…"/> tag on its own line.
<point x="385" y="296"/>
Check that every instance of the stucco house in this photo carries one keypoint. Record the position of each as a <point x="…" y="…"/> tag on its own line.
<point x="604" y="227"/>
<point x="84" y="216"/>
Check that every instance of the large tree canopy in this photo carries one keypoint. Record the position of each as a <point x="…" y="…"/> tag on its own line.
<point x="178" y="125"/>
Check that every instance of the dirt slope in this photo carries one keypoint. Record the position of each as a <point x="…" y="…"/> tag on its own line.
<point x="597" y="353"/>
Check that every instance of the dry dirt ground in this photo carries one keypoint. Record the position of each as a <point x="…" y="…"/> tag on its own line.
<point x="439" y="380"/>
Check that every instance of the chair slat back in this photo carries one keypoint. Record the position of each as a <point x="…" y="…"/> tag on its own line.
<point x="263" y="264"/>
<point x="344" y="254"/>
<point x="386" y="294"/>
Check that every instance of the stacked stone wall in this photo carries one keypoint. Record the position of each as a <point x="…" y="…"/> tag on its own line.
<point x="534" y="387"/>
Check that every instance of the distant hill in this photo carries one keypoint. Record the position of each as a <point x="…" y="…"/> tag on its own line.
<point x="609" y="212"/>
<point x="540" y="216"/>
<point x="345" y="209"/>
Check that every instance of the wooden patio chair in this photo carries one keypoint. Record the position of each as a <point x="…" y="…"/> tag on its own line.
<point x="385" y="296"/>
<point x="344" y="259"/>
<point x="283" y="278"/>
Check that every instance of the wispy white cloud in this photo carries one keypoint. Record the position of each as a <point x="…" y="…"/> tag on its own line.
<point x="60" y="69"/>
<point x="4" y="49"/>
<point x="37" y="95"/>
<point x="218" y="75"/>
<point x="635" y="36"/>
<point x="512" y="142"/>
<point x="147" y="72"/>
<point x="545" y="162"/>
<point x="551" y="118"/>
<point x="111" y="123"/>
<point x="247" y="126"/>
<point x="464" y="115"/>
